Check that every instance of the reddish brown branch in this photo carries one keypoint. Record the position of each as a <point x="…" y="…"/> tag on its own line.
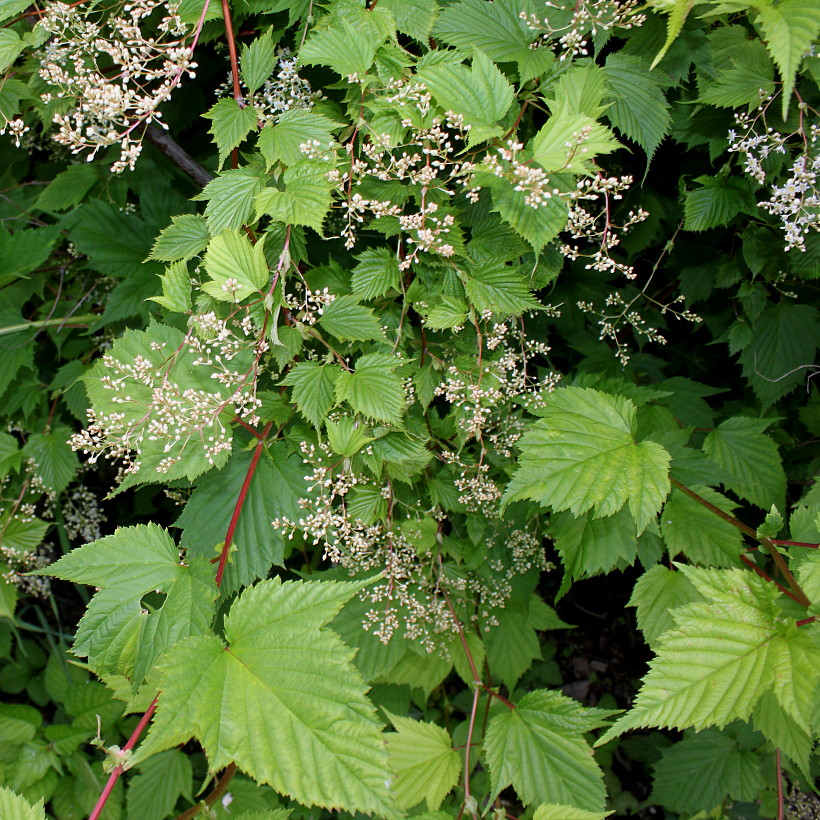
<point x="217" y="792"/>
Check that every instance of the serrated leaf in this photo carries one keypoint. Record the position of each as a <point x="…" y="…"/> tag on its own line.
<point x="678" y="11"/>
<point x="570" y="142"/>
<point x="313" y="385"/>
<point x="230" y="197"/>
<point x="305" y="199"/>
<point x="539" y="749"/>
<point x="117" y="634"/>
<point x="349" y="321"/>
<point x="723" y="654"/>
<point x="258" y="61"/>
<point x="639" y="108"/>
<point x="183" y="239"/>
<point x="513" y="644"/>
<point x="421" y="756"/>
<point x="582" y="455"/>
<point x="376" y="273"/>
<point x="10" y="47"/>
<point x="553" y="811"/>
<point x="237" y="268"/>
<point x="282" y="690"/>
<point x="161" y="780"/>
<point x="374" y="389"/>
<point x="344" y="48"/>
<point x="230" y="124"/>
<point x="705" y="769"/>
<point x="206" y="516"/>
<point x="789" y="29"/>
<point x="716" y="203"/>
<point x="656" y="594"/>
<point x="15" y="807"/>
<point x="176" y="289"/>
<point x="346" y="436"/>
<point x="282" y="141"/>
<point x="413" y="17"/>
<point x="703" y="537"/>
<point x="739" y="83"/>
<point x="54" y="461"/>
<point x="68" y="188"/>
<point x="750" y="458"/>
<point x="499" y="288"/>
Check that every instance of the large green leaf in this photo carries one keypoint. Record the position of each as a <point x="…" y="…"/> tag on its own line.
<point x="345" y="49"/>
<point x="501" y="289"/>
<point x="374" y="389"/>
<point x="118" y="634"/>
<point x="257" y="545"/>
<point x="553" y="811"/>
<point x="313" y="385"/>
<point x="751" y="460"/>
<point x="347" y="320"/>
<point x="657" y="593"/>
<point x="582" y="455"/>
<point x="237" y="268"/>
<point x="295" y="128"/>
<point x="422" y="758"/>
<point x="161" y="780"/>
<point x="305" y="199"/>
<point x="724" y="653"/>
<point x="538" y="747"/>
<point x="230" y="197"/>
<point x="54" y="461"/>
<point x="15" y="807"/>
<point x="183" y="239"/>
<point x="281" y="691"/>
<point x="570" y="142"/>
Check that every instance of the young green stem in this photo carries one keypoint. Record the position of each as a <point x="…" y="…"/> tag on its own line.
<point x="60" y="321"/>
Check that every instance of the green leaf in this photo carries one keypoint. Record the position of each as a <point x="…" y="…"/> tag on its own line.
<point x="230" y="124"/>
<point x="230" y="197"/>
<point x="344" y="48"/>
<point x="376" y="273"/>
<point x="702" y="536"/>
<point x="207" y="514"/>
<point x="657" y="593"/>
<point x="785" y="339"/>
<point x="68" y="188"/>
<point x="513" y="645"/>
<point x="346" y="436"/>
<point x="374" y="389"/>
<point x="54" y="461"/>
<point x="10" y="8"/>
<point x="176" y="289"/>
<point x="723" y="654"/>
<point x="413" y="17"/>
<point x="117" y="634"/>
<point x="501" y="289"/>
<point x="750" y="458"/>
<point x="716" y="203"/>
<point x="678" y="11"/>
<point x="186" y="237"/>
<point x="789" y="29"/>
<point x="161" y="780"/>
<point x="739" y="82"/>
<point x="283" y="690"/>
<point x="582" y="455"/>
<point x="706" y="769"/>
<point x="539" y="749"/>
<point x="297" y="127"/>
<point x="313" y="385"/>
<point x="422" y="758"/>
<point x="571" y="142"/>
<point x="639" y="109"/>
<point x="14" y="807"/>
<point x="24" y="251"/>
<point x="305" y="200"/>
<point x="258" y="61"/>
<point x="349" y="321"/>
<point x="237" y="268"/>
<point x="481" y="94"/>
<point x="552" y="811"/>
<point x="10" y="47"/>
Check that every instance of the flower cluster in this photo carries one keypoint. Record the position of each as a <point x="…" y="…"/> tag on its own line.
<point x="796" y="203"/>
<point x="97" y="107"/>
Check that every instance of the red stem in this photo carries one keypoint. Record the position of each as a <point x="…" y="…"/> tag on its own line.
<point x="118" y="770"/>
<point x="751" y="564"/>
<point x="794" y="544"/>
<point x="779" y="785"/>
<point x="234" y="58"/>
<point x="240" y="502"/>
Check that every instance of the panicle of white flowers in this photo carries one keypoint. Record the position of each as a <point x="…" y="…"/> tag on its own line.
<point x="796" y="203"/>
<point x="16" y="128"/>
<point x="109" y="106"/>
<point x="311" y="306"/>
<point x="82" y="515"/>
<point x="589" y="18"/>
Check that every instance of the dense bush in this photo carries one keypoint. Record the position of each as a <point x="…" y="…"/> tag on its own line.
<point x="380" y="329"/>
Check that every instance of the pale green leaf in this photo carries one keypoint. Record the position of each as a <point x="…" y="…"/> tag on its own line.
<point x="305" y="199"/>
<point x="349" y="321"/>
<point x="580" y="90"/>
<point x="230" y="197"/>
<point x="161" y="780"/>
<point x="258" y="61"/>
<point x="346" y="436"/>
<point x="10" y="8"/>
<point x="750" y="458"/>
<point x="499" y="288"/>
<point x="582" y="455"/>
<point x="10" y="47"/>
<point x="237" y="268"/>
<point x="313" y="386"/>
<point x="421" y="756"/>
<point x="553" y="811"/>
<point x="344" y="48"/>
<point x="183" y="239"/>
<point x="423" y="671"/>
<point x="375" y="389"/>
<point x="54" y="461"/>
<point x="376" y="273"/>
<point x="657" y="593"/>
<point x="258" y="545"/>
<point x="723" y="654"/>
<point x="639" y="108"/>
<point x="571" y="142"/>
<point x="677" y="11"/>
<point x="282" y="141"/>
<point x="230" y="124"/>
<point x="176" y="289"/>
<point x="705" y="769"/>
<point x="413" y="17"/>
<point x="14" y="807"/>
<point x="539" y="749"/>
<point x="783" y="732"/>
<point x="283" y="691"/>
<point x="702" y="536"/>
